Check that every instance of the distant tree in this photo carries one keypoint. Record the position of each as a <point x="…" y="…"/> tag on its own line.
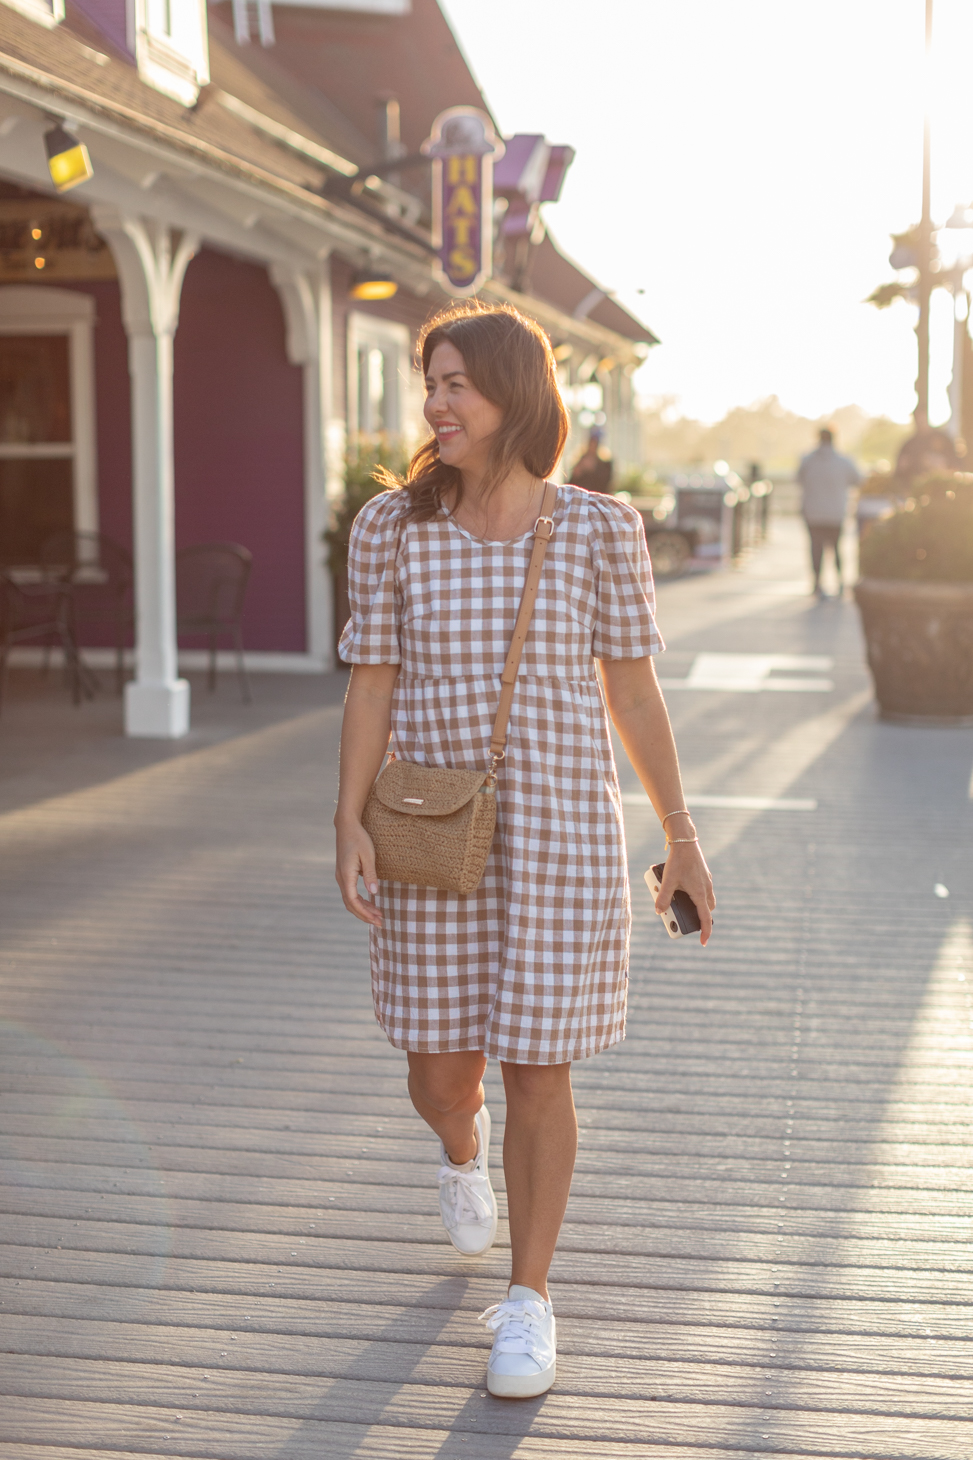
<point x="887" y="294"/>
<point x="880" y="441"/>
<point x="765" y="431"/>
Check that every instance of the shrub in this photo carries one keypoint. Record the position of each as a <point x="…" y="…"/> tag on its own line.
<point x="879" y="484"/>
<point x="362" y="462"/>
<point x="930" y="538"/>
<point x="639" y="481"/>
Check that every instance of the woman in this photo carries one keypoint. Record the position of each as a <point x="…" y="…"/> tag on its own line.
<point x="531" y="968"/>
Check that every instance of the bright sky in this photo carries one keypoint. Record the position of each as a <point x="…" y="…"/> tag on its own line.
<point x="743" y="163"/>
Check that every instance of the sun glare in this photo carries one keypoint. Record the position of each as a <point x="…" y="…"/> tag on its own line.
<point x="744" y="166"/>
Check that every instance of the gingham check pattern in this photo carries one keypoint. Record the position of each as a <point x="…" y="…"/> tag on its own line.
<point x="533" y="966"/>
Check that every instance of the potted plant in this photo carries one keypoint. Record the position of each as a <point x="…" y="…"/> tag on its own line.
<point x="362" y="481"/>
<point x="916" y="601"/>
<point x="876" y="499"/>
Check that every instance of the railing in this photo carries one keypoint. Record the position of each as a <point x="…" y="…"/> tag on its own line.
<point x="751" y="515"/>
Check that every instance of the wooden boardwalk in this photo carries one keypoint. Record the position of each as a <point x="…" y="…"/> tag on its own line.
<point x="218" y="1226"/>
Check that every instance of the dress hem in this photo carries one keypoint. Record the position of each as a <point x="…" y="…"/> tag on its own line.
<point x="615" y="1036"/>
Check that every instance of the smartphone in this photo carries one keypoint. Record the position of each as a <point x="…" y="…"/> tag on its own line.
<point x="681" y="917"/>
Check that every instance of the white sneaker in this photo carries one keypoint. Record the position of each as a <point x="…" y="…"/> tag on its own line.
<point x="466" y="1198"/>
<point x="524" y="1358"/>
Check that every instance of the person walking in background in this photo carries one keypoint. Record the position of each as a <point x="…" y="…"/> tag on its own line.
<point x="593" y="470"/>
<point x="531" y="968"/>
<point x="826" y="478"/>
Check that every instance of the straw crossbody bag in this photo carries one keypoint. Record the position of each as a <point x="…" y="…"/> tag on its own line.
<point x="433" y="827"/>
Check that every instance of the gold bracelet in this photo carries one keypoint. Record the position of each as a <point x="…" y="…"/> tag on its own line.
<point x="676" y="841"/>
<point x="683" y="811"/>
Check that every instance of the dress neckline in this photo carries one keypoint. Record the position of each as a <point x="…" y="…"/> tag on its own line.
<point x="496" y="541"/>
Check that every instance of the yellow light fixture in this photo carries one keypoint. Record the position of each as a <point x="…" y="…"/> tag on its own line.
<point x="373" y="284"/>
<point x="67" y="159"/>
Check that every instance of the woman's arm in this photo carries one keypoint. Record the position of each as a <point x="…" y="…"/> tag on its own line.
<point x="639" y="714"/>
<point x="365" y="732"/>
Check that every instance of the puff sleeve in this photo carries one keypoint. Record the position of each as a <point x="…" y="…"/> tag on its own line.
<point x="371" y="635"/>
<point x="624" y="626"/>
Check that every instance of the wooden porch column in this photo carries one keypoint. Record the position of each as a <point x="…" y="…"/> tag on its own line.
<point x="151" y="271"/>
<point x="305" y="297"/>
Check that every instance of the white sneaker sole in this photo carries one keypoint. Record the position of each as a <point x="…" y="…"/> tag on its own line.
<point x="521" y="1386"/>
<point x="486" y="1125"/>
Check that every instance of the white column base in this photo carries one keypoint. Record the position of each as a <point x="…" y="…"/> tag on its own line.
<point x="157" y="710"/>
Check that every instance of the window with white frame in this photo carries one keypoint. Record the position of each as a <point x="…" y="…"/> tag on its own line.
<point x="172" y="46"/>
<point x="48" y="481"/>
<point x="373" y="406"/>
<point x="48" y="12"/>
<point x="384" y="392"/>
<point x="254" y="19"/>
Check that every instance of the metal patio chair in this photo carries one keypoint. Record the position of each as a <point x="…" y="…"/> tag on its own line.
<point x="42" y="610"/>
<point x="99" y="571"/>
<point x="211" y="584"/>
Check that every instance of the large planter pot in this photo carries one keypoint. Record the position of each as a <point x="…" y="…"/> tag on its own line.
<point x="920" y="649"/>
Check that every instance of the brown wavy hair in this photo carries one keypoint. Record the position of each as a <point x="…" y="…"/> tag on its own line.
<point x="508" y="359"/>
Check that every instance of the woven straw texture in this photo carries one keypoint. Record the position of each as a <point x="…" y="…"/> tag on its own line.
<point x="532" y="966"/>
<point x="427" y="845"/>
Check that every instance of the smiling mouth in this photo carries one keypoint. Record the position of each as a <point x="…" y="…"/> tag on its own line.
<point x="447" y="431"/>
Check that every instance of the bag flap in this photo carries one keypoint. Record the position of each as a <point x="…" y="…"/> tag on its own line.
<point x="426" y="790"/>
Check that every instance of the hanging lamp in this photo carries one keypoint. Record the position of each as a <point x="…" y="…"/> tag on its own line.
<point x="67" y="159"/>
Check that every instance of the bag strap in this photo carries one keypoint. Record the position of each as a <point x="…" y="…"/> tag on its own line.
<point x="543" y="532"/>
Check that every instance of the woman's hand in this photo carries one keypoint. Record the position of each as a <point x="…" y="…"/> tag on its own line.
<point x="639" y="715"/>
<point x="364" y="742"/>
<point x="356" y="858"/>
<point x="686" y="869"/>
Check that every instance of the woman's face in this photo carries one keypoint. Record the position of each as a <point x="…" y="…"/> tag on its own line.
<point x="464" y="420"/>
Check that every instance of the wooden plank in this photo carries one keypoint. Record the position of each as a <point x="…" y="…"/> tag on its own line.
<point x="386" y="1084"/>
<point x="761" y="1038"/>
<point x="396" y="1116"/>
<point x="75" y="1252"/>
<point x="275" y="1182"/>
<point x="931" y="1068"/>
<point x="843" y="1311"/>
<point x="309" y="1134"/>
<point x="191" y="1321"/>
<point x="235" y="1079"/>
<point x="245" y="1433"/>
<point x="205" y="1230"/>
<point x="894" y="1238"/>
<point x="383" y="1442"/>
<point x="754" y="1039"/>
<point x="333" y="1151"/>
<point x="891" y="1131"/>
<point x="656" y="1021"/>
<point x="703" y="1369"/>
<point x="389" y="1189"/>
<point x="177" y="1383"/>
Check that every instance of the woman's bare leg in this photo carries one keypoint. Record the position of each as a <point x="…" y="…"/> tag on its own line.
<point x="539" y="1147"/>
<point x="447" y="1091"/>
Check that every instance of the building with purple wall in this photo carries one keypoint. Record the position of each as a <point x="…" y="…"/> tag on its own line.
<point x="184" y="352"/>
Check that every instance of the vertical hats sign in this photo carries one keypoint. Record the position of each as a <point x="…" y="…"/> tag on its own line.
<point x="463" y="147"/>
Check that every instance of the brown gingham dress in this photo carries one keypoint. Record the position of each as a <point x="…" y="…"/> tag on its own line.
<point x="532" y="967"/>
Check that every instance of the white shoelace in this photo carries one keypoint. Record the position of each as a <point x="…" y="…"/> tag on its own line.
<point x="516" y="1323"/>
<point x="467" y="1193"/>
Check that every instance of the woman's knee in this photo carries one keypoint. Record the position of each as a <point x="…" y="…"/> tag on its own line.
<point x="535" y="1084"/>
<point x="449" y="1083"/>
